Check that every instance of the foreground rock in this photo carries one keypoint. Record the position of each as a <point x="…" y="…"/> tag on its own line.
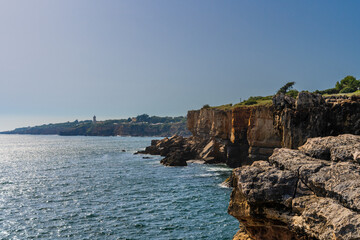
<point x="311" y="193"/>
<point x="177" y="150"/>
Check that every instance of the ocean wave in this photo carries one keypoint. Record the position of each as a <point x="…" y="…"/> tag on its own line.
<point x="218" y="169"/>
<point x="207" y="175"/>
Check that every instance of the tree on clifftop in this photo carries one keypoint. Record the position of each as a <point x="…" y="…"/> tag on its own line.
<point x="284" y="89"/>
<point x="142" y="118"/>
<point x="347" y="84"/>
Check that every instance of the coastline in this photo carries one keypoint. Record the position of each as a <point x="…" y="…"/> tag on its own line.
<point x="246" y="138"/>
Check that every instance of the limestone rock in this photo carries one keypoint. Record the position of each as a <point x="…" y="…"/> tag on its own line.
<point x="241" y="135"/>
<point x="262" y="182"/>
<point x="175" y="149"/>
<point x="297" y="196"/>
<point x="281" y="101"/>
<point x="306" y="100"/>
<point x="346" y="153"/>
<point x="242" y="235"/>
<point x="174" y="159"/>
<point x="213" y="152"/>
<point x="208" y="122"/>
<point x="210" y="150"/>
<point x="322" y="147"/>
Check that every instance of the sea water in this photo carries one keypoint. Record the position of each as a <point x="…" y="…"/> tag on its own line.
<point x="54" y="187"/>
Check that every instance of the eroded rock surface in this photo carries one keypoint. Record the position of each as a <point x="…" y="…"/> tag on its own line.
<point x="311" y="193"/>
<point x="241" y="135"/>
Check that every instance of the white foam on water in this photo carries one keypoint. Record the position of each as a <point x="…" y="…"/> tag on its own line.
<point x="223" y="185"/>
<point x="207" y="175"/>
<point x="218" y="169"/>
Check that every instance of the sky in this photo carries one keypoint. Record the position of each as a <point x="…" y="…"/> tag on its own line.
<point x="63" y="60"/>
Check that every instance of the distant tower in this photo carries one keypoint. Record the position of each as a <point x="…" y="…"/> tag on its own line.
<point x="94" y="119"/>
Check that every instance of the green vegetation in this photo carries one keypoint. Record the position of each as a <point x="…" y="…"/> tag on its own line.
<point x="342" y="94"/>
<point x="260" y="100"/>
<point x="284" y="89"/>
<point x="155" y="119"/>
<point x="293" y="93"/>
<point x="224" y="107"/>
<point x="252" y="101"/>
<point x="142" y="125"/>
<point x="348" y="84"/>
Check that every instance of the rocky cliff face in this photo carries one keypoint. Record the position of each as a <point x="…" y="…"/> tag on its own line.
<point x="312" y="115"/>
<point x="252" y="133"/>
<point x="242" y="135"/>
<point x="210" y="123"/>
<point x="310" y="193"/>
<point x="247" y="133"/>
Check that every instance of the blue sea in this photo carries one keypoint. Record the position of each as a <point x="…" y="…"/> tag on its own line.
<point x="55" y="187"/>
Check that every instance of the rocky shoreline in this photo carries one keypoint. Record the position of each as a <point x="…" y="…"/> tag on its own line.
<point x="246" y="134"/>
<point x="297" y="161"/>
<point x="310" y="193"/>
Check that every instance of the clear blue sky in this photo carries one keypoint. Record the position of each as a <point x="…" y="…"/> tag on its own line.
<point x="66" y="60"/>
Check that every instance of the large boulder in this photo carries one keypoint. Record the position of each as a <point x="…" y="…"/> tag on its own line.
<point x="340" y="148"/>
<point x="281" y="101"/>
<point x="176" y="150"/>
<point x="176" y="158"/>
<point x="311" y="193"/>
<point x="213" y="152"/>
<point x="306" y="100"/>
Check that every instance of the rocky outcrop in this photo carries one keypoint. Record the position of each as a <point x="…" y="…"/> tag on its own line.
<point x="177" y="150"/>
<point x="311" y="115"/>
<point x="244" y="134"/>
<point x="210" y="122"/>
<point x="310" y="193"/>
<point x="261" y="134"/>
<point x="241" y="135"/>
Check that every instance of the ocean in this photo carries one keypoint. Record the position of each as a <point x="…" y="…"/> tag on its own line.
<point x="56" y="187"/>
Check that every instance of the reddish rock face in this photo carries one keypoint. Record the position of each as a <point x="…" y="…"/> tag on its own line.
<point x="251" y="133"/>
<point x="239" y="123"/>
<point x="245" y="134"/>
<point x="209" y="122"/>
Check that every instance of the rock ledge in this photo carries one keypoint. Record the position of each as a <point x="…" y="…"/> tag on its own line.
<point x="310" y="193"/>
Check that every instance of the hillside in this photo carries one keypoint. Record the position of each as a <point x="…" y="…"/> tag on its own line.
<point x="142" y="125"/>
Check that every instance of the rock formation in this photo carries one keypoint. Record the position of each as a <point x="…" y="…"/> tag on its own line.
<point x="310" y="193"/>
<point x="241" y="135"/>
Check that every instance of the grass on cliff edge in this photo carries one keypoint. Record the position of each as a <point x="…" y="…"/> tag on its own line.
<point x="344" y="94"/>
<point x="262" y="101"/>
<point x="252" y="101"/>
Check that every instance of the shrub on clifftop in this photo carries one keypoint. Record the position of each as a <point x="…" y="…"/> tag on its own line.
<point x="347" y="84"/>
<point x="284" y="89"/>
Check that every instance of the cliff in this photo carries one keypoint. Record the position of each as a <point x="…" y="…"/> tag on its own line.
<point x="310" y="193"/>
<point x="250" y="133"/>
<point x="282" y="193"/>
<point x="241" y="135"/>
<point x="247" y="133"/>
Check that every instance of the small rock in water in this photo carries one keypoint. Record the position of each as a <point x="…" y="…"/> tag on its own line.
<point x="228" y="182"/>
<point x="174" y="159"/>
